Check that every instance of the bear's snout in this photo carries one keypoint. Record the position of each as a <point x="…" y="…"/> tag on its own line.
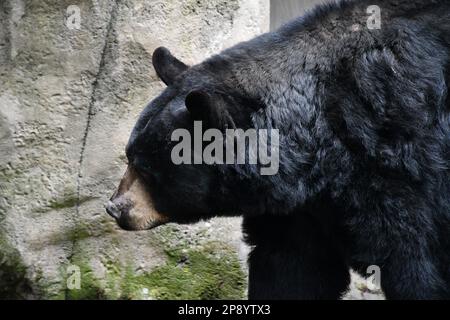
<point x="112" y="210"/>
<point x="132" y="205"/>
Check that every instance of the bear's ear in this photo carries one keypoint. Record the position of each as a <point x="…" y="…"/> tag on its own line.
<point x="167" y="66"/>
<point x="200" y="104"/>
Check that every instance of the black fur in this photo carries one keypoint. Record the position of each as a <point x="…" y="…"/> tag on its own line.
<point x="364" y="149"/>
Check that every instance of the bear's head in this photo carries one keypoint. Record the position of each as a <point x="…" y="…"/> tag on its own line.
<point x="156" y="189"/>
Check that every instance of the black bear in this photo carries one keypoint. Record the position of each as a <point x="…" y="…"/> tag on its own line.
<point x="358" y="91"/>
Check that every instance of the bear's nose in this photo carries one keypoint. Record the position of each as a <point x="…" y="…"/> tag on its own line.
<point x="112" y="210"/>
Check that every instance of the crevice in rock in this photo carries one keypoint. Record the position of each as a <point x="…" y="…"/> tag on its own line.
<point x="95" y="84"/>
<point x="5" y="43"/>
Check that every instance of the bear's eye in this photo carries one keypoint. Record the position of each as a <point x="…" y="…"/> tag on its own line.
<point x="142" y="166"/>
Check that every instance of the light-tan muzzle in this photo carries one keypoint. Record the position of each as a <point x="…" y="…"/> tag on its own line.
<point x="132" y="206"/>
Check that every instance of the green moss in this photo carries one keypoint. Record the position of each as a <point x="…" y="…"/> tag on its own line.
<point x="67" y="202"/>
<point x="192" y="271"/>
<point x="90" y="286"/>
<point x="13" y="281"/>
<point x="45" y="288"/>
<point x="210" y="272"/>
<point x="114" y="280"/>
<point x="78" y="232"/>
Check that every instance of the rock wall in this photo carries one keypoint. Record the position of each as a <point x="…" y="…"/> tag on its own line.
<point x="74" y="76"/>
<point x="282" y="11"/>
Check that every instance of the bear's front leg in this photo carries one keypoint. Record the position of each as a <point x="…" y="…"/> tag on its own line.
<point x="294" y="258"/>
<point x="411" y="273"/>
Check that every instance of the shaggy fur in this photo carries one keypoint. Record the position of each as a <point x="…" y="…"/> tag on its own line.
<point x="364" y="149"/>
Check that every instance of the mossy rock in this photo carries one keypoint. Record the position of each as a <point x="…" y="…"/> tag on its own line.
<point x="13" y="281"/>
<point x="90" y="287"/>
<point x="211" y="272"/>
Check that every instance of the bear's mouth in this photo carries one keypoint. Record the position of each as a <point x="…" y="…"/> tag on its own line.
<point x="124" y="224"/>
<point x="132" y="206"/>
